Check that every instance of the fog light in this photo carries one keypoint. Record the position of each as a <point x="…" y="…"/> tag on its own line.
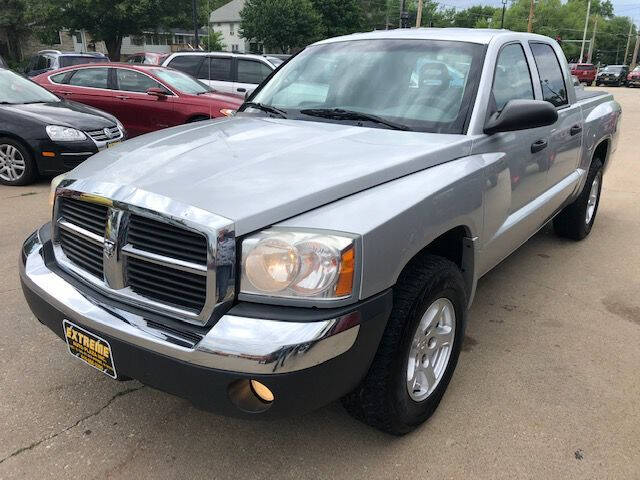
<point x="262" y="391"/>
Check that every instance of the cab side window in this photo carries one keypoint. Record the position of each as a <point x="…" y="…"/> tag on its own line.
<point x="551" y="79"/>
<point x="512" y="79"/>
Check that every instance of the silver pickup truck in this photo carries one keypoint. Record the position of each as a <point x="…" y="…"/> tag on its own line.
<point x="325" y="243"/>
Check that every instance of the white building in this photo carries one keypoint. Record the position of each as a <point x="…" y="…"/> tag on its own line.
<point x="226" y="20"/>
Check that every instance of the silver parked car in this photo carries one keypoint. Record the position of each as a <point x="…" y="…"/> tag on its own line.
<point x="326" y="241"/>
<point x="237" y="73"/>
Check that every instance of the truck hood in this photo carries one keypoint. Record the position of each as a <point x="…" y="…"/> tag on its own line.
<point x="258" y="171"/>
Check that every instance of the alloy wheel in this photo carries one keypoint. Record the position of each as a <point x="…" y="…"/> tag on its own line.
<point x="12" y="163"/>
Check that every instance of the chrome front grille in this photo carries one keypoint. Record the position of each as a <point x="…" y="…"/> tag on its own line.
<point x="166" y="264"/>
<point x="105" y="134"/>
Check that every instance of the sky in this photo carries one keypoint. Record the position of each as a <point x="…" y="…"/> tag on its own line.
<point x="624" y="8"/>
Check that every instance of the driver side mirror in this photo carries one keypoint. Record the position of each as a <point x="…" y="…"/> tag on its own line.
<point x="521" y="115"/>
<point x="157" y="92"/>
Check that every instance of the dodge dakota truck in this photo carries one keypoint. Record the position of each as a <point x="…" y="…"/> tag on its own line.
<point x="324" y="243"/>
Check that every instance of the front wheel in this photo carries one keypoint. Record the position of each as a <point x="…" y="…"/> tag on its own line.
<point x="576" y="220"/>
<point x="418" y="351"/>
<point x="16" y="163"/>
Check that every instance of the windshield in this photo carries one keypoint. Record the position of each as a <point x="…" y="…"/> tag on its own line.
<point x="425" y="85"/>
<point x="71" y="61"/>
<point x="182" y="82"/>
<point x="15" y="89"/>
<point x="612" y="69"/>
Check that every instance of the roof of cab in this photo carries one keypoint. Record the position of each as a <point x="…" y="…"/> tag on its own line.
<point x="473" y="35"/>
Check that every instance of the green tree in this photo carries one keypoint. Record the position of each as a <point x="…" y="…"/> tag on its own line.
<point x="281" y="24"/>
<point x="340" y="17"/>
<point x="213" y="42"/>
<point x="13" y="19"/>
<point x="111" y="20"/>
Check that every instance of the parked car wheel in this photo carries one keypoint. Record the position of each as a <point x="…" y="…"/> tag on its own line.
<point x="418" y="351"/>
<point x="16" y="163"/>
<point x="576" y="220"/>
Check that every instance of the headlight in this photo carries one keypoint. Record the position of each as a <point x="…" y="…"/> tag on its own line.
<point x="227" y="112"/>
<point x="54" y="184"/>
<point x="298" y="265"/>
<point x="64" y="134"/>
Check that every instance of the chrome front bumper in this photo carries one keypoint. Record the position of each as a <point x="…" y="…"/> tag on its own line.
<point x="233" y="344"/>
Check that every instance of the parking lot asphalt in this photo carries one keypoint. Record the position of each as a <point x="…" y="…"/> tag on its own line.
<point x="547" y="385"/>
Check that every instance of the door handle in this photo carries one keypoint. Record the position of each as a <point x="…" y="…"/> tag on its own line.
<point x="538" y="145"/>
<point x="242" y="90"/>
<point x="576" y="129"/>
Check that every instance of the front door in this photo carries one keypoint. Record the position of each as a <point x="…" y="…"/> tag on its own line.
<point x="138" y="111"/>
<point x="519" y="162"/>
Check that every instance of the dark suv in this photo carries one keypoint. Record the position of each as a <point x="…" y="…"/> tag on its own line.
<point x="612" y="75"/>
<point x="46" y="60"/>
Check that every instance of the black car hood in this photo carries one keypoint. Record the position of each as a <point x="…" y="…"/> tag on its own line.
<point x="69" y="114"/>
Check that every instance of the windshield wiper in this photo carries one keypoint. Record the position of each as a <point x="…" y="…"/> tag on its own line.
<point x="340" y="114"/>
<point x="266" y="108"/>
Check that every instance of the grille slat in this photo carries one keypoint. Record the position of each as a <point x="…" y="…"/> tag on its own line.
<point x="91" y="217"/>
<point x="82" y="252"/>
<point x="177" y="280"/>
<point x="100" y="136"/>
<point x="165" y="239"/>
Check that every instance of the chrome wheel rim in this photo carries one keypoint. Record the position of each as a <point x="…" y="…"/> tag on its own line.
<point x="12" y="164"/>
<point x="431" y="349"/>
<point x="593" y="199"/>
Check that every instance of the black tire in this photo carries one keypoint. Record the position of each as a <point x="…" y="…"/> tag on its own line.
<point x="382" y="400"/>
<point x="571" y="222"/>
<point x="30" y="171"/>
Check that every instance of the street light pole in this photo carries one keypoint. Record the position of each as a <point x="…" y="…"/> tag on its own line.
<point x="404" y="15"/>
<point x="504" y="7"/>
<point x="626" y="51"/>
<point x="584" y="34"/>
<point x="196" y="40"/>
<point x="530" y="22"/>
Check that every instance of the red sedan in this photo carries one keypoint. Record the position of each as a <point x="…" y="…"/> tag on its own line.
<point x="144" y="98"/>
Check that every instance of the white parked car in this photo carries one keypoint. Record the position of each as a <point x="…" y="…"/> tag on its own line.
<point x="225" y="72"/>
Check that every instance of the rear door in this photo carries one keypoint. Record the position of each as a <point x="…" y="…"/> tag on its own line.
<point x="250" y="74"/>
<point x="89" y="86"/>
<point x="138" y="111"/>
<point x="216" y="71"/>
<point x="565" y="140"/>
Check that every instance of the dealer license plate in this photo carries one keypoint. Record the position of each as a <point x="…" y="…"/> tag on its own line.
<point x="112" y="144"/>
<point x="89" y="348"/>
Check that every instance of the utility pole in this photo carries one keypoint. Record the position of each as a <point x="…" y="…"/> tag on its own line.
<point x="504" y="7"/>
<point x="584" y="35"/>
<point x="419" y="16"/>
<point x="593" y="40"/>
<point x="404" y="15"/>
<point x="196" y="40"/>
<point x="626" y="51"/>
<point x="635" y="53"/>
<point x="530" y="24"/>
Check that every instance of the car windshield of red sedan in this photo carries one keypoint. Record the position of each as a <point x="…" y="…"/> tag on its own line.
<point x="15" y="89"/>
<point x="182" y="82"/>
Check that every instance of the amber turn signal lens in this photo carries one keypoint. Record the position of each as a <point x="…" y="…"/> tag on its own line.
<point x="344" y="286"/>
<point x="262" y="391"/>
<point x="48" y="154"/>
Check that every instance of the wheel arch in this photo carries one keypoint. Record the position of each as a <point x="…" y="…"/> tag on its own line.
<point x="24" y="143"/>
<point x="456" y="244"/>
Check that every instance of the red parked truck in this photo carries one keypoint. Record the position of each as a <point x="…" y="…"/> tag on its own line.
<point x="586" y="72"/>
<point x="144" y="98"/>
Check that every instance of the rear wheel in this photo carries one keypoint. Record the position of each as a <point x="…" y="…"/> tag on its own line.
<point x="419" y="349"/>
<point x="576" y="220"/>
<point x="16" y="163"/>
